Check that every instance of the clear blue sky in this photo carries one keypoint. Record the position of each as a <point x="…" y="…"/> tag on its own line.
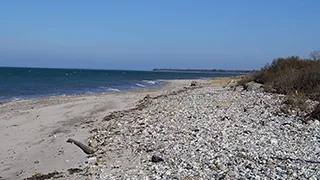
<point x="136" y="34"/>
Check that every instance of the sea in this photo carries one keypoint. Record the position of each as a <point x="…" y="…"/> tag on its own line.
<point x="24" y="83"/>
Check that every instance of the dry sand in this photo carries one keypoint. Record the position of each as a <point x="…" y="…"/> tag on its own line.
<point x="34" y="132"/>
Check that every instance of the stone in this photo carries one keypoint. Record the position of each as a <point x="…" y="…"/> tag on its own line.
<point x="253" y="86"/>
<point x="156" y="159"/>
<point x="274" y="141"/>
<point x="195" y="83"/>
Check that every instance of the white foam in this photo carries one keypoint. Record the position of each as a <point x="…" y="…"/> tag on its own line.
<point x="109" y="89"/>
<point x="113" y="89"/>
<point x="16" y="99"/>
<point x="149" y="82"/>
<point x="140" y="85"/>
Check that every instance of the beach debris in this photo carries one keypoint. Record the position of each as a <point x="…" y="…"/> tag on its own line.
<point x="39" y="176"/>
<point x="74" y="170"/>
<point x="147" y="97"/>
<point x="156" y="159"/>
<point x="82" y="146"/>
<point x="111" y="116"/>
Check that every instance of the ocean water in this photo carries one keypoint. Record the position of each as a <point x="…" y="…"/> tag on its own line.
<point x="22" y="83"/>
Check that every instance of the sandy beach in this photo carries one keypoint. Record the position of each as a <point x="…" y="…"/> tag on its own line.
<point x="206" y="131"/>
<point x="34" y="132"/>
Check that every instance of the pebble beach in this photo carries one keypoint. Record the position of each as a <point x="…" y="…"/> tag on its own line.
<point x="205" y="131"/>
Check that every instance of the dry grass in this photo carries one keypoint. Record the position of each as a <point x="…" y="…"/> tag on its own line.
<point x="224" y="81"/>
<point x="295" y="77"/>
<point x="291" y="76"/>
<point x="297" y="101"/>
<point x="221" y="81"/>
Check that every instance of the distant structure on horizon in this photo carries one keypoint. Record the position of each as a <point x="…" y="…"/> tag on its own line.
<point x="203" y="70"/>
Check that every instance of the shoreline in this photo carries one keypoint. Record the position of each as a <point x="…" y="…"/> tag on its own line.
<point x="151" y="88"/>
<point x="35" y="130"/>
<point x="4" y="101"/>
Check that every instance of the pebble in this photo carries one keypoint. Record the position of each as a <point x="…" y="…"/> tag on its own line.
<point x="156" y="159"/>
<point x="274" y="141"/>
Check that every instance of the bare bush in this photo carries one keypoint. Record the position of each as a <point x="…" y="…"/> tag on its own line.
<point x="315" y="55"/>
<point x="295" y="77"/>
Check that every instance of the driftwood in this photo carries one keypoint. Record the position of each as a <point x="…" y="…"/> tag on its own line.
<point x="82" y="146"/>
<point x="292" y="159"/>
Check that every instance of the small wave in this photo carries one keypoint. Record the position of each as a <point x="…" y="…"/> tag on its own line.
<point x="149" y="82"/>
<point x="109" y="89"/>
<point x="16" y="99"/>
<point x="140" y="85"/>
<point x="113" y="89"/>
<point x="205" y="78"/>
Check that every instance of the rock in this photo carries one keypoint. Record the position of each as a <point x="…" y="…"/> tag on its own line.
<point x="274" y="141"/>
<point x="238" y="88"/>
<point x="253" y="86"/>
<point x="222" y="167"/>
<point x="156" y="159"/>
<point x="195" y="83"/>
<point x="93" y="143"/>
<point x="92" y="160"/>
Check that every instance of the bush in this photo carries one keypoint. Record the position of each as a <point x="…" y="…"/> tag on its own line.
<point x="291" y="76"/>
<point x="298" y="78"/>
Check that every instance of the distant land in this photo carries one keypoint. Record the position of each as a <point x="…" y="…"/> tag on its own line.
<point x="203" y="70"/>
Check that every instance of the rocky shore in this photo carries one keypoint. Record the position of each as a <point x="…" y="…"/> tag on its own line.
<point x="204" y="132"/>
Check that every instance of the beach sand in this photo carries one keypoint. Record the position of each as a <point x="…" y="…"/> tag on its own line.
<point x="34" y="132"/>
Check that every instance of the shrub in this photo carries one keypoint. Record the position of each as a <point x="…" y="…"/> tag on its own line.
<point x="298" y="78"/>
<point x="244" y="80"/>
<point x="291" y="76"/>
<point x="298" y="101"/>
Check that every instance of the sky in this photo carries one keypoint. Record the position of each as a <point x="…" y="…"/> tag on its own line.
<point x="142" y="35"/>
